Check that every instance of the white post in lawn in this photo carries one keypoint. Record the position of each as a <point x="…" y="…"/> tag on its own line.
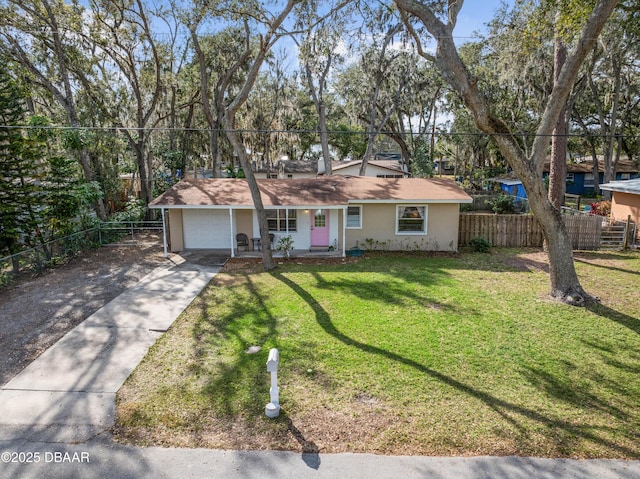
<point x="272" y="409"/>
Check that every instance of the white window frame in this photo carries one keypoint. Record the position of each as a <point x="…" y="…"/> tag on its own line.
<point x="625" y="176"/>
<point x="359" y="226"/>
<point x="286" y="220"/>
<point x="589" y="180"/>
<point x="570" y="177"/>
<point x="425" y="213"/>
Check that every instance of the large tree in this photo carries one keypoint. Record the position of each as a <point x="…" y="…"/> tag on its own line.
<point x="131" y="85"/>
<point x="43" y="38"/>
<point x="266" y="42"/>
<point x="565" y="284"/>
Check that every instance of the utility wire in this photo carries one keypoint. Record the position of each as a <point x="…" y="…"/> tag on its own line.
<point x="116" y="129"/>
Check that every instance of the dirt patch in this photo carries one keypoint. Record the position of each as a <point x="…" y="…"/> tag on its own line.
<point x="534" y="260"/>
<point x="35" y="312"/>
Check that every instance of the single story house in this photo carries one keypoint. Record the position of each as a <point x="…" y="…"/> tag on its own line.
<point x="329" y="212"/>
<point x="292" y="169"/>
<point x="375" y="168"/>
<point x="511" y="186"/>
<point x="581" y="180"/>
<point x="286" y="169"/>
<point x="625" y="200"/>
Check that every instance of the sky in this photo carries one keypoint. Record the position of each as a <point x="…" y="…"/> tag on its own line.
<point x="475" y="14"/>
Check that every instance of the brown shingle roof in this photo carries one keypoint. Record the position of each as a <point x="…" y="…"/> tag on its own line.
<point x="323" y="191"/>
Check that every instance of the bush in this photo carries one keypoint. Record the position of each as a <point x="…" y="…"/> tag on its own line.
<point x="134" y="210"/>
<point x="602" y="208"/>
<point x="285" y="244"/>
<point x="502" y="204"/>
<point x="480" y="245"/>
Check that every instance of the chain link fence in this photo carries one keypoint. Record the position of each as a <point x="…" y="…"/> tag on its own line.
<point x="49" y="254"/>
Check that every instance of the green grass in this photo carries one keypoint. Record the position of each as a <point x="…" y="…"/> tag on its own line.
<point x="401" y="354"/>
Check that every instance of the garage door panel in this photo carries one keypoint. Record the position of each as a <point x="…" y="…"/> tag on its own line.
<point x="206" y="229"/>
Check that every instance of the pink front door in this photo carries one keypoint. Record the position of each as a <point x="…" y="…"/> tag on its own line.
<point x="320" y="228"/>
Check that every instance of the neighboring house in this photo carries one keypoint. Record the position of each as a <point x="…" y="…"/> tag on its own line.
<point x="444" y="166"/>
<point x="330" y="212"/>
<point x="375" y="168"/>
<point x="291" y="169"/>
<point x="286" y="169"/>
<point x="581" y="180"/>
<point x="625" y="200"/>
<point x="511" y="186"/>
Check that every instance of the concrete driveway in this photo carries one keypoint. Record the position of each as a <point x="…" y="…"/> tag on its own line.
<point x="68" y="392"/>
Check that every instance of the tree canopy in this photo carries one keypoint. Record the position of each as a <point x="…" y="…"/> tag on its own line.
<point x="159" y="90"/>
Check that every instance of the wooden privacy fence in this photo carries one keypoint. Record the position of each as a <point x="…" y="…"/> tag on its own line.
<point x="525" y="230"/>
<point x="584" y="230"/>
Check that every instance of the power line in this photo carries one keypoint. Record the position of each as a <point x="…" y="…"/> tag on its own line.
<point x="116" y="129"/>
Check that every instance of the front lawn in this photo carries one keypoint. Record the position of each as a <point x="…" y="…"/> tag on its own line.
<point x="400" y="354"/>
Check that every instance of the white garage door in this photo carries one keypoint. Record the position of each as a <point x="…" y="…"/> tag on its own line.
<point x="206" y="229"/>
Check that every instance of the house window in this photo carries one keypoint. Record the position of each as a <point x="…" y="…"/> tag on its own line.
<point x="411" y="219"/>
<point x="625" y="176"/>
<point x="589" y="180"/>
<point x="570" y="178"/>
<point x="282" y="220"/>
<point x="354" y="217"/>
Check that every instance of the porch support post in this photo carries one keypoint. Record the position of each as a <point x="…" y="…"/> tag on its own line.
<point x="164" y="233"/>
<point x="231" y="231"/>
<point x="344" y="231"/>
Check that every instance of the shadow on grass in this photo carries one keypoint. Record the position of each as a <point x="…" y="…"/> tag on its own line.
<point x="585" y="258"/>
<point x="504" y="408"/>
<point x="390" y="290"/>
<point x="226" y="384"/>
<point x="630" y="322"/>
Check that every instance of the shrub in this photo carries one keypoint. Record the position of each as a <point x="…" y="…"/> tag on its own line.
<point x="480" y="245"/>
<point x="466" y="207"/>
<point x="602" y="208"/>
<point x="502" y="204"/>
<point x="285" y="244"/>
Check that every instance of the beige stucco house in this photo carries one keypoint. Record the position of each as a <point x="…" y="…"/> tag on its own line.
<point x="625" y="200"/>
<point x="326" y="213"/>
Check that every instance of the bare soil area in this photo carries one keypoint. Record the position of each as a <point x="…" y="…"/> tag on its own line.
<point x="35" y="312"/>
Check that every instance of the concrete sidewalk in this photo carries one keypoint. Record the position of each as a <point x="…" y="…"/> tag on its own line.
<point x="56" y="415"/>
<point x="102" y="458"/>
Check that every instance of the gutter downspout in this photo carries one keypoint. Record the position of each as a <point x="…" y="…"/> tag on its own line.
<point x="344" y="231"/>
<point x="164" y="233"/>
<point x="231" y="231"/>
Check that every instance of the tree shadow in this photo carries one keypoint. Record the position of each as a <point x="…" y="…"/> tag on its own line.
<point x="249" y="364"/>
<point x="310" y="450"/>
<point x="585" y="260"/>
<point x="502" y="407"/>
<point x="630" y="322"/>
<point x="388" y="290"/>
